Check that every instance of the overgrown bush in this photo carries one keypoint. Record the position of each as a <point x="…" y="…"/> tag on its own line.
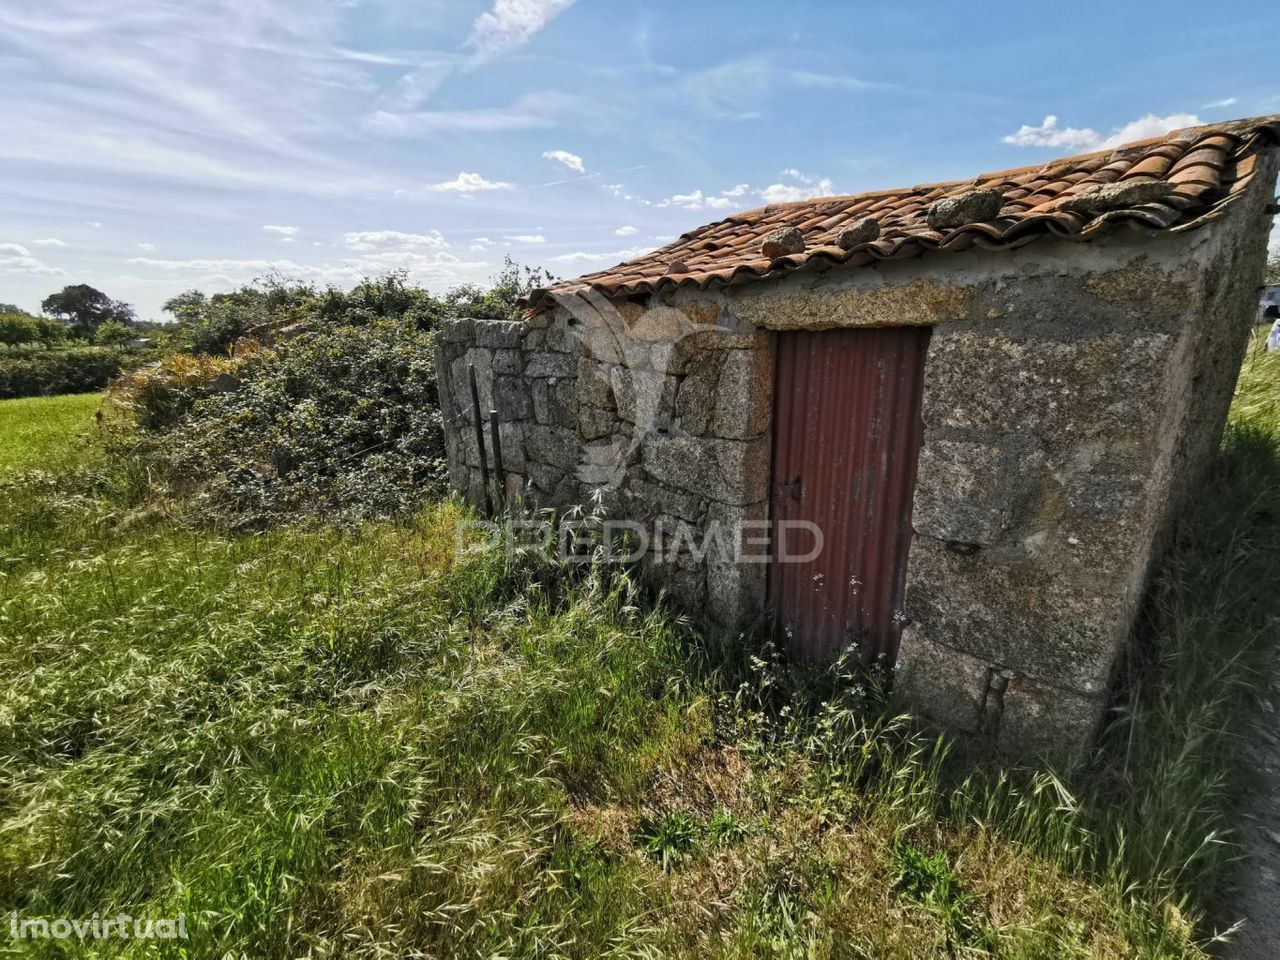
<point x="336" y="415"/>
<point x="342" y="422"/>
<point x="45" y="373"/>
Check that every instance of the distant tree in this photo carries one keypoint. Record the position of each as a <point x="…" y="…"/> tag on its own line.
<point x="49" y="332"/>
<point x="186" y="306"/>
<point x="85" y="308"/>
<point x="16" y="329"/>
<point x="113" y="333"/>
<point x="21" y="329"/>
<point x="12" y="308"/>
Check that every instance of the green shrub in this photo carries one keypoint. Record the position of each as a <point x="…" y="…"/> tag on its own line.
<point x="80" y="370"/>
<point x="342" y="422"/>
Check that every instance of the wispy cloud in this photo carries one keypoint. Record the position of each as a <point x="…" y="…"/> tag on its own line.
<point x="526" y="238"/>
<point x="1050" y="134"/>
<point x="570" y="160"/>
<point x="466" y="184"/>
<point x="48" y="242"/>
<point x="530" y="111"/>
<point x="802" y="186"/>
<point x="147" y="247"/>
<point x="15" y="258"/>
<point x="511" y="24"/>
<point x="392" y="239"/>
<point x="1221" y="104"/>
<point x="284" y="231"/>
<point x="627" y="231"/>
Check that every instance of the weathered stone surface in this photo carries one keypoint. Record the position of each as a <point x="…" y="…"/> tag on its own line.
<point x="594" y="423"/>
<point x="694" y="347"/>
<point x="603" y="463"/>
<point x="594" y="384"/>
<point x="555" y="401"/>
<point x="695" y="403"/>
<point x="972" y="206"/>
<point x="648" y="499"/>
<point x="1057" y="622"/>
<point x="662" y="324"/>
<point x="967" y="491"/>
<point x="602" y="342"/>
<point x="946" y="685"/>
<point x="461" y="330"/>
<point x="645" y="398"/>
<point x="744" y="394"/>
<point x="729" y="471"/>
<point x="511" y="398"/>
<point x="781" y="242"/>
<point x="554" y="446"/>
<point x="983" y="379"/>
<point x="1116" y="196"/>
<point x="496" y="334"/>
<point x="507" y="362"/>
<point x="1040" y="720"/>
<point x="736" y="562"/>
<point x="564" y="335"/>
<point x="550" y="365"/>
<point x="861" y="231"/>
<point x="512" y="437"/>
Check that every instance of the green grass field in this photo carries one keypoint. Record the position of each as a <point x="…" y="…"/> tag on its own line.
<point x="47" y="432"/>
<point x="322" y="741"/>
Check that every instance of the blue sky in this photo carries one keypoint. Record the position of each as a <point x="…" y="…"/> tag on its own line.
<point x="151" y="146"/>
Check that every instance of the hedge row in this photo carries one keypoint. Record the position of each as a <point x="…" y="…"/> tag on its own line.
<point x="79" y="370"/>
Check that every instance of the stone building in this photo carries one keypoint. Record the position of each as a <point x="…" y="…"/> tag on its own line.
<point x="982" y="401"/>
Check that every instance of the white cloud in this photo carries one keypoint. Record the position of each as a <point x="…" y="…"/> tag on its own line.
<point x="1221" y="104"/>
<point x="96" y="224"/>
<point x="15" y="258"/>
<point x="526" y="238"/>
<point x="282" y="231"/>
<point x="735" y="191"/>
<point x="467" y="183"/>
<point x="613" y="256"/>
<point x="805" y="187"/>
<point x="1049" y="134"/>
<point x="619" y="191"/>
<point x="578" y="257"/>
<point x="626" y="231"/>
<point x="393" y="239"/>
<point x="570" y="160"/>
<point x="689" y="201"/>
<point x="1149" y="126"/>
<point x="48" y="242"/>
<point x="529" y="111"/>
<point x="148" y="247"/>
<point x="510" y="24"/>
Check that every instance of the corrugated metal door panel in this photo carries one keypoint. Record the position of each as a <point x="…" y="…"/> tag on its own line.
<point x="846" y="439"/>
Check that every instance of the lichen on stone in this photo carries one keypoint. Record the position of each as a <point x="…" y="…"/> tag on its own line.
<point x="782" y="242"/>
<point x="972" y="206"/>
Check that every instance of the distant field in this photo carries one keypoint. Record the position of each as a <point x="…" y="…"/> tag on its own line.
<point x="46" y="431"/>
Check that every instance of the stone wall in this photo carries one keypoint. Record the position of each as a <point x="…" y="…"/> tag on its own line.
<point x="1073" y="395"/>
<point x="661" y="415"/>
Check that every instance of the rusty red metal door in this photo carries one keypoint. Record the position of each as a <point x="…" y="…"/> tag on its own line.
<point x="846" y="437"/>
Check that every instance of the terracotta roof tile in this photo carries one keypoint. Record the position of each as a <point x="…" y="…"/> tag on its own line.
<point x="1208" y="167"/>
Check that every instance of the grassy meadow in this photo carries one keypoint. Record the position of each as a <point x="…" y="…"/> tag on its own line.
<point x="51" y="433"/>
<point x="361" y="741"/>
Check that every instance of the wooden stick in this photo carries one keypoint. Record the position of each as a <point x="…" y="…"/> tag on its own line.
<point x="479" y="423"/>
<point x="495" y="444"/>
